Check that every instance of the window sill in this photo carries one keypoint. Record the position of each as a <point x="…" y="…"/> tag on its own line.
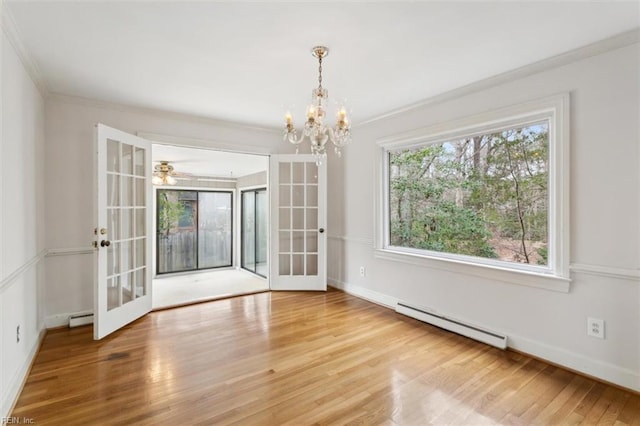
<point x="511" y="276"/>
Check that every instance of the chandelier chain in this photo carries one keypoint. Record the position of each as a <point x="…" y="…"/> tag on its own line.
<point x="320" y="72"/>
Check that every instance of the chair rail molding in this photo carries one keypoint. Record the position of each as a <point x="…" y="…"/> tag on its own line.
<point x="607" y="271"/>
<point x="69" y="251"/>
<point x="11" y="278"/>
<point x="355" y="240"/>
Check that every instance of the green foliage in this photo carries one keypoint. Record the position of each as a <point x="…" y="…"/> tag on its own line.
<point x="445" y="228"/>
<point x="543" y="253"/>
<point x="169" y="212"/>
<point x="482" y="196"/>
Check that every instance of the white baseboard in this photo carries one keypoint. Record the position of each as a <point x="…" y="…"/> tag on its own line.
<point x="592" y="367"/>
<point x="58" y="320"/>
<point x="16" y="383"/>
<point x="365" y="293"/>
<point x="471" y="331"/>
<point x="62" y="320"/>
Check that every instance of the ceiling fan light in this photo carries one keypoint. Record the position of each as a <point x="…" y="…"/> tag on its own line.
<point x="171" y="180"/>
<point x="156" y="180"/>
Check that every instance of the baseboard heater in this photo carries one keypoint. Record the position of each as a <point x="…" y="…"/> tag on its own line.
<point x="76" y="320"/>
<point x="467" y="330"/>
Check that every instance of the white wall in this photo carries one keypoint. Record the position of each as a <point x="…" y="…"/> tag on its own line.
<point x="70" y="195"/>
<point x="604" y="203"/>
<point x="254" y="180"/>
<point x="22" y="218"/>
<point x="604" y="215"/>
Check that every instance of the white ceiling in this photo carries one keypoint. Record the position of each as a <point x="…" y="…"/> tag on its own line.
<point x="203" y="162"/>
<point x="249" y="62"/>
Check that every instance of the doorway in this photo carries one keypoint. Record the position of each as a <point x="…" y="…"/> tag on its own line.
<point x="199" y="249"/>
<point x="125" y="188"/>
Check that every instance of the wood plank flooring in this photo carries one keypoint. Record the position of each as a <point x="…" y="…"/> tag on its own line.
<point x="301" y="358"/>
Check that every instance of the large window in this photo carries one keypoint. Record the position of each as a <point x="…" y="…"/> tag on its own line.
<point x="489" y="193"/>
<point x="483" y="195"/>
<point x="194" y="230"/>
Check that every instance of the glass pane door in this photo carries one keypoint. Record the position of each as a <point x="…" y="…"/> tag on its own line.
<point x="249" y="231"/>
<point x="214" y="229"/>
<point x="194" y="230"/>
<point x="298" y="215"/>
<point x="122" y="277"/>
<point x="177" y="231"/>
<point x="298" y="253"/>
<point x="255" y="228"/>
<point x="262" y="232"/>
<point x="126" y="224"/>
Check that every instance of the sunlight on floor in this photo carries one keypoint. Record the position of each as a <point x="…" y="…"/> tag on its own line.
<point x="176" y="290"/>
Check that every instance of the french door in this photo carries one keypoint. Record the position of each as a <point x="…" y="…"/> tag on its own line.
<point x="298" y="222"/>
<point x="122" y="282"/>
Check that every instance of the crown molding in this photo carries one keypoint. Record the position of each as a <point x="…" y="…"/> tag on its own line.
<point x="219" y="145"/>
<point x="12" y="33"/>
<point x="160" y="113"/>
<point x="621" y="40"/>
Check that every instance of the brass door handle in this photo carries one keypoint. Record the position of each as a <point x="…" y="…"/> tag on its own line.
<point x="105" y="243"/>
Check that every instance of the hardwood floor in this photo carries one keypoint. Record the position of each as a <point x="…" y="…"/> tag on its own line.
<point x="301" y="358"/>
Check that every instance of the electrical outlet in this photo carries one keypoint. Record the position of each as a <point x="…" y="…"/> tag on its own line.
<point x="18" y="334"/>
<point x="595" y="327"/>
<point x="362" y="271"/>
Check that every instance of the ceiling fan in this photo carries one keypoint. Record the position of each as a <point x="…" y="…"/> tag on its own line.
<point x="164" y="174"/>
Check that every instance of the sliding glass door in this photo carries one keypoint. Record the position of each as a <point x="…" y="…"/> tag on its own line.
<point x="214" y="229"/>
<point x="255" y="231"/>
<point x="194" y="230"/>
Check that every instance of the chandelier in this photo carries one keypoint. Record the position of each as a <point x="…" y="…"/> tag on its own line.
<point x="314" y="129"/>
<point x="163" y="174"/>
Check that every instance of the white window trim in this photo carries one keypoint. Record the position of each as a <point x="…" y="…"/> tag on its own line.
<point x="556" y="276"/>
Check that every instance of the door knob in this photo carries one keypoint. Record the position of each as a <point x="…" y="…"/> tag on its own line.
<point x="321" y="230"/>
<point x="105" y="243"/>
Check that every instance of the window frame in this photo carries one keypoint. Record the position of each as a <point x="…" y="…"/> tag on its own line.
<point x="554" y="276"/>
<point x="255" y="192"/>
<point x="196" y="228"/>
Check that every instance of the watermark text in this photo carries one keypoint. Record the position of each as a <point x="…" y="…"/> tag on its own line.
<point x="17" y="421"/>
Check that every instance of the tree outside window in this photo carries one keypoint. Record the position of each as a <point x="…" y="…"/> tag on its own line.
<point x="484" y="195"/>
